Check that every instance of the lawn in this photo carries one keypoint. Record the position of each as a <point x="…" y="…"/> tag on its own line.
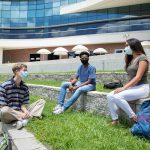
<point x="57" y="83"/>
<point x="73" y="72"/>
<point x="75" y="130"/>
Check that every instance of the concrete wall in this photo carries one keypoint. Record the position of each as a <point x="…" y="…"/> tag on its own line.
<point x="101" y="62"/>
<point x="92" y="101"/>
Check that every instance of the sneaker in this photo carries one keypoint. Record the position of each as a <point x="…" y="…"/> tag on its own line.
<point x="24" y="122"/>
<point x="57" y="107"/>
<point x="19" y="125"/>
<point x="59" y="111"/>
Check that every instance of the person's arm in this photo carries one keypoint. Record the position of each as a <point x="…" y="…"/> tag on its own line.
<point x="140" y="72"/>
<point x="25" y="103"/>
<point x="74" y="80"/>
<point x="85" y="83"/>
<point x="72" y="83"/>
<point x="25" y="112"/>
<point x="92" y="75"/>
<point x="3" y="97"/>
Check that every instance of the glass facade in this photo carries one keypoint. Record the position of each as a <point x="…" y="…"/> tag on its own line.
<point x="42" y="19"/>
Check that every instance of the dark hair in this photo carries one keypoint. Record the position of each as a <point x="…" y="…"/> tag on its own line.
<point x="84" y="53"/>
<point x="136" y="46"/>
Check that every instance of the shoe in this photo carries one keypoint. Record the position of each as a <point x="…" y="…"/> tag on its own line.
<point x="59" y="111"/>
<point x="24" y="122"/>
<point x="57" y="107"/>
<point x="19" y="125"/>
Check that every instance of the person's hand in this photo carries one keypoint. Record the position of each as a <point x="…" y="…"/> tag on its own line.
<point x="22" y="115"/>
<point x="26" y="114"/>
<point x="75" y="88"/>
<point x="118" y="90"/>
<point x="71" y="88"/>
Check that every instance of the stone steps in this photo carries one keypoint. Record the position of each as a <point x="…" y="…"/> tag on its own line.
<point x="21" y="139"/>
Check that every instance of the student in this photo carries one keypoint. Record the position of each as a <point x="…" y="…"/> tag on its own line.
<point x="137" y="86"/>
<point x="14" y="98"/>
<point x="86" y="74"/>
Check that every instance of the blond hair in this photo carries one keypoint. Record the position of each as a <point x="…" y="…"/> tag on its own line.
<point x="18" y="67"/>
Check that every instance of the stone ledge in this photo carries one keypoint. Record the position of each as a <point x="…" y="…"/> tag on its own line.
<point x="93" y="101"/>
<point x="21" y="139"/>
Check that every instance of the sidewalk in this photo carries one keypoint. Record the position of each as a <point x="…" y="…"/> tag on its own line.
<point x="22" y="139"/>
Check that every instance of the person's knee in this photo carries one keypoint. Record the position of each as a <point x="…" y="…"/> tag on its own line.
<point x="5" y="110"/>
<point x="110" y="96"/>
<point x="65" y="84"/>
<point x="117" y="97"/>
<point x="80" y="90"/>
<point x="41" y="101"/>
<point x="4" y="114"/>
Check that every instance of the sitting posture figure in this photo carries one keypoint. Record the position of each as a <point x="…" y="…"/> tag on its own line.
<point x="14" y="99"/>
<point x="86" y="74"/>
<point x="137" y="86"/>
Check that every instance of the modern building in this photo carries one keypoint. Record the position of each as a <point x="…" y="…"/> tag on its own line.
<point x="28" y="25"/>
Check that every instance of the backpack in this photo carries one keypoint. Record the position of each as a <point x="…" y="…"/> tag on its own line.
<point x="113" y="85"/>
<point x="142" y="126"/>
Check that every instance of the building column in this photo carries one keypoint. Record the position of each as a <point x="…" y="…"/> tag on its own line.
<point x="1" y="55"/>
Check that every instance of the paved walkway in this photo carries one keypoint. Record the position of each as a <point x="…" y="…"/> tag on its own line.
<point x="22" y="139"/>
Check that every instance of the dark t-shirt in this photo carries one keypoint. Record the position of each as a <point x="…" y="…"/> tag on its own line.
<point x="133" y="67"/>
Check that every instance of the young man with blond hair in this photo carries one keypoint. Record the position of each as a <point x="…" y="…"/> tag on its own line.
<point x="14" y="99"/>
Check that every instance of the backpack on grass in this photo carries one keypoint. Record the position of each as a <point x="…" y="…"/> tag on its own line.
<point x="142" y="126"/>
<point x="113" y="85"/>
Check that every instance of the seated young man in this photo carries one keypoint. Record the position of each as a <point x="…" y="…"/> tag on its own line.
<point x="14" y="99"/>
<point x="86" y="74"/>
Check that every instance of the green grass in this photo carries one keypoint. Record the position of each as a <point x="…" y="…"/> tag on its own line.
<point x="57" y="83"/>
<point x="72" y="72"/>
<point x="82" y="131"/>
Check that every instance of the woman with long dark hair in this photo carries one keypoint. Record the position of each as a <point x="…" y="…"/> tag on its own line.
<point x="137" y="86"/>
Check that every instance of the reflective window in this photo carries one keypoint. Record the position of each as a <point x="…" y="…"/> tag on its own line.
<point x="40" y="13"/>
<point x="23" y="14"/>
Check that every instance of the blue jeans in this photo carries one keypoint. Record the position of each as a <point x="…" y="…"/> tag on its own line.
<point x="76" y="94"/>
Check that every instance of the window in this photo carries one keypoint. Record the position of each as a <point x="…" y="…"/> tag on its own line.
<point x="23" y="14"/>
<point x="39" y="13"/>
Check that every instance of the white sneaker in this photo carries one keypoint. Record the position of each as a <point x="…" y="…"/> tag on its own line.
<point x="21" y="124"/>
<point x="57" y="107"/>
<point x="25" y="121"/>
<point x="59" y="111"/>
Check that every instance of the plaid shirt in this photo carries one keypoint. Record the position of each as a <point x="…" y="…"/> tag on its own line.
<point x="13" y="96"/>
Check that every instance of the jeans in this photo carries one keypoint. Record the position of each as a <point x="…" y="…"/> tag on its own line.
<point x="76" y="94"/>
<point x="120" y="99"/>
